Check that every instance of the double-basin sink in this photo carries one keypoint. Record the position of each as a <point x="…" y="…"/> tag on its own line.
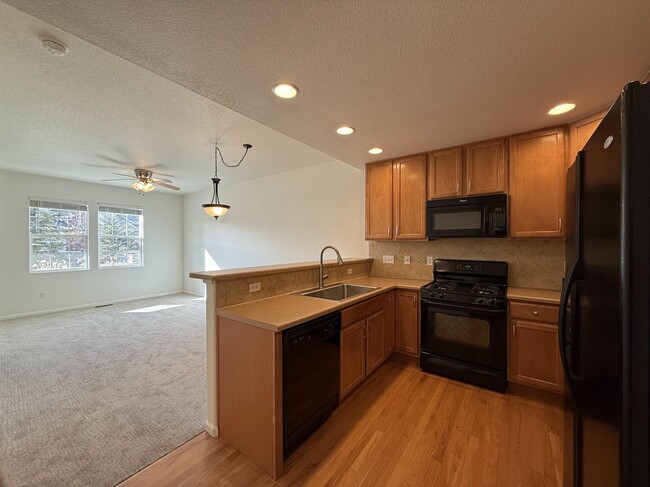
<point x="338" y="292"/>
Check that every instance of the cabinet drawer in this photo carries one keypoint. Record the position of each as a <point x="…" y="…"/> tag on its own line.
<point x="358" y="311"/>
<point x="547" y="313"/>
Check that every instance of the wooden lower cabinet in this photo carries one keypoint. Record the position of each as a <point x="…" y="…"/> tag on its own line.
<point x="368" y="336"/>
<point x="375" y="340"/>
<point x="534" y="350"/>
<point x="390" y="323"/>
<point x="353" y="357"/>
<point x="407" y="329"/>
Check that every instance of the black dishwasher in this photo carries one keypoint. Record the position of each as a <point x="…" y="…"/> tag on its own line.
<point x="310" y="377"/>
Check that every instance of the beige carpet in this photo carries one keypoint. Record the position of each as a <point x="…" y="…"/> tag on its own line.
<point x="89" y="397"/>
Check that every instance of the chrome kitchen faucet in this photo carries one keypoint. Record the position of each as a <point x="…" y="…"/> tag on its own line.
<point x="321" y="276"/>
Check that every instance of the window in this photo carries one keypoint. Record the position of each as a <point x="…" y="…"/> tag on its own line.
<point x="58" y="236"/>
<point x="120" y="236"/>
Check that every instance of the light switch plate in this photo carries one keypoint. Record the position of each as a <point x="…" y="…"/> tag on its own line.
<point x="389" y="259"/>
<point x="429" y="260"/>
<point x="349" y="270"/>
<point x="407" y="259"/>
<point x="256" y="286"/>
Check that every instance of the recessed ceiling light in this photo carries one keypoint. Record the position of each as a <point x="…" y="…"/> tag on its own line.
<point x="55" y="47"/>
<point x="344" y="130"/>
<point x="376" y="150"/>
<point x="562" y="108"/>
<point x="285" y="90"/>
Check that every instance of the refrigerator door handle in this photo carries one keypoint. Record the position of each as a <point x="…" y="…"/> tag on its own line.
<point x="569" y="283"/>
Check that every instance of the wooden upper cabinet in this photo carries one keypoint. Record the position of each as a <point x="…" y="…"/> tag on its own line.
<point x="580" y="131"/>
<point x="379" y="201"/>
<point x="486" y="167"/>
<point x="445" y="173"/>
<point x="409" y="197"/>
<point x="537" y="184"/>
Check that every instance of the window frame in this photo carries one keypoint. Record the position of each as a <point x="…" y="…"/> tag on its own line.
<point x="85" y="236"/>
<point x="100" y="236"/>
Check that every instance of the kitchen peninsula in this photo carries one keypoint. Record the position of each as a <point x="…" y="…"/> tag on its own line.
<point x="244" y="342"/>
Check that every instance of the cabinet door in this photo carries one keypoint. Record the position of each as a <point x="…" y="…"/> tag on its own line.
<point x="581" y="131"/>
<point x="379" y="201"/>
<point x="375" y="340"/>
<point x="407" y="329"/>
<point x="534" y="355"/>
<point x="537" y="184"/>
<point x="445" y="173"/>
<point x="353" y="356"/>
<point x="486" y="167"/>
<point x="409" y="175"/>
<point x="390" y="323"/>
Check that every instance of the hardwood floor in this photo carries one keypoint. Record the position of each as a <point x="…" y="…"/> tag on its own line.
<point x="402" y="427"/>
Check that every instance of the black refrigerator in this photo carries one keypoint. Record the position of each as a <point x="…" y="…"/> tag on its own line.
<point x="605" y="304"/>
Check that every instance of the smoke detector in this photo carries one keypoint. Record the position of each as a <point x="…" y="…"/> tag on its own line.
<point x="55" y="47"/>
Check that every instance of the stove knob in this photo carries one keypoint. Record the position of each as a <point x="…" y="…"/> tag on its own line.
<point x="441" y="296"/>
<point x="433" y="295"/>
<point x="478" y="300"/>
<point x="490" y="302"/>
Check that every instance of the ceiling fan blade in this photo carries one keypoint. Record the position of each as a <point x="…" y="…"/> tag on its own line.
<point x="164" y="180"/>
<point x="162" y="173"/>
<point x="125" y="175"/>
<point x="115" y="161"/>
<point x="165" y="185"/>
<point x="119" y="179"/>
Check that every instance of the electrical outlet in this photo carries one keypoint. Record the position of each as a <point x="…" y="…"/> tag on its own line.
<point x="407" y="259"/>
<point x="349" y="270"/>
<point x="43" y="294"/>
<point x="256" y="286"/>
<point x="429" y="260"/>
<point x="389" y="259"/>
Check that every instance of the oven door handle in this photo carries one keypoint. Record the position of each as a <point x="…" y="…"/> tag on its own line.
<point x="452" y="307"/>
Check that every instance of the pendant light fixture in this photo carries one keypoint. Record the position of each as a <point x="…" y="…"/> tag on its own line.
<point x="215" y="208"/>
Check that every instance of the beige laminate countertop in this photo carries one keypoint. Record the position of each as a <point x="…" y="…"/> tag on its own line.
<point x="281" y="312"/>
<point x="534" y="295"/>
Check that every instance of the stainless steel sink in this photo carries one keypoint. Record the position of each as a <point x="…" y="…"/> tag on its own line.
<point x="339" y="292"/>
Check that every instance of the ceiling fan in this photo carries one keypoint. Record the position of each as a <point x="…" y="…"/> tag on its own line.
<point x="143" y="181"/>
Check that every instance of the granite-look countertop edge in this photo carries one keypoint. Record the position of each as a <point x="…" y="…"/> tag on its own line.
<point x="534" y="295"/>
<point x="278" y="313"/>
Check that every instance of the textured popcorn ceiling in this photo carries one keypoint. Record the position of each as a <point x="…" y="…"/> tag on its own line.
<point x="409" y="75"/>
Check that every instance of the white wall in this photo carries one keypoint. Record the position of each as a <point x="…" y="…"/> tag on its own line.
<point x="282" y="218"/>
<point x="20" y="290"/>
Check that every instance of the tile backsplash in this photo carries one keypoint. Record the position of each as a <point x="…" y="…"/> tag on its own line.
<point x="537" y="264"/>
<point x="236" y="290"/>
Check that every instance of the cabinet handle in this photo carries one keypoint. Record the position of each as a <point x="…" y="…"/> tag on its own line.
<point x="514" y="331"/>
<point x="388" y="230"/>
<point x="469" y="184"/>
<point x="559" y="225"/>
<point x="397" y="233"/>
<point x="457" y="186"/>
<point x="415" y="304"/>
<point x="535" y="313"/>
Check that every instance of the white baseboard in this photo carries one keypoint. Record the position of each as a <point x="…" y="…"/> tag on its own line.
<point x="211" y="429"/>
<point x="192" y="293"/>
<point x="89" y="305"/>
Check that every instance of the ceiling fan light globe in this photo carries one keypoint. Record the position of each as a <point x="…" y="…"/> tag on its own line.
<point x="143" y="186"/>
<point x="215" y="210"/>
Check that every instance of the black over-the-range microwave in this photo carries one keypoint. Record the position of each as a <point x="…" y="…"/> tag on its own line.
<point x="472" y="216"/>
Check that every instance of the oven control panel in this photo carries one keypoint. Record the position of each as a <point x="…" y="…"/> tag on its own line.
<point x="453" y="298"/>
